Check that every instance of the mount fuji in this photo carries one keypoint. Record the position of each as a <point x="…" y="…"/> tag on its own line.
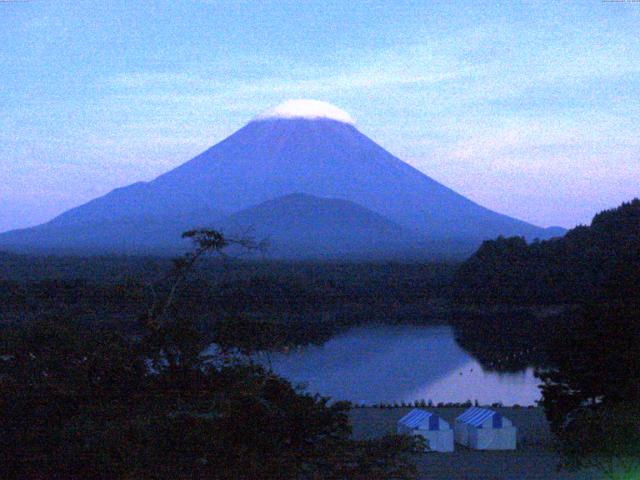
<point x="301" y="174"/>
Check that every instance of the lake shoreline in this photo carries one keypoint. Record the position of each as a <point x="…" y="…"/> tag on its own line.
<point x="387" y="365"/>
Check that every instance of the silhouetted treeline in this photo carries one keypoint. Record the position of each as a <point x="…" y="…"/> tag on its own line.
<point x="507" y="341"/>
<point x="302" y="302"/>
<point x="506" y="278"/>
<point x="579" y="267"/>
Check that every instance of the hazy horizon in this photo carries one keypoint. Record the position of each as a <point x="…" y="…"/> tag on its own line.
<point x="529" y="109"/>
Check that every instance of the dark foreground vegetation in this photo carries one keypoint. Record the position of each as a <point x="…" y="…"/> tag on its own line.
<point x="591" y="386"/>
<point x="591" y="365"/>
<point x="82" y="401"/>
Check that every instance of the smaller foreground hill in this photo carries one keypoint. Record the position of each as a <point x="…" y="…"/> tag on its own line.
<point x="305" y="226"/>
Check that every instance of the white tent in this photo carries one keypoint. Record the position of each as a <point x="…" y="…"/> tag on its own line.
<point x="484" y="429"/>
<point x="437" y="433"/>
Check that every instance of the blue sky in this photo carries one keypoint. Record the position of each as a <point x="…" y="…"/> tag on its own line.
<point x="529" y="108"/>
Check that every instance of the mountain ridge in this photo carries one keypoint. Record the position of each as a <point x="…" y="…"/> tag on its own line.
<point x="270" y="158"/>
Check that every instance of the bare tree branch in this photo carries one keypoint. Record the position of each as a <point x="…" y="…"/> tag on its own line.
<point x="205" y="242"/>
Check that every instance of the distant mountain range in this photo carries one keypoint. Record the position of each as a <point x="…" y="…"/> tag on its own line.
<point x="304" y="177"/>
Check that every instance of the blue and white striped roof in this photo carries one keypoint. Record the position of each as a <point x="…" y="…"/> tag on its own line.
<point x="417" y="417"/>
<point x="476" y="416"/>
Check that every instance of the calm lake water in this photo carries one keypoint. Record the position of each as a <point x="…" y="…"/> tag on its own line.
<point x="400" y="363"/>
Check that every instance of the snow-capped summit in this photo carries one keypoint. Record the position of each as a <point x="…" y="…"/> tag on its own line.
<point x="308" y="109"/>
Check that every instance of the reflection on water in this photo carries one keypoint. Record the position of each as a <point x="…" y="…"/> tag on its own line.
<point x="400" y="363"/>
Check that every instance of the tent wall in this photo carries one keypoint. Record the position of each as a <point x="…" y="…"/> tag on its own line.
<point x="492" y="438"/>
<point x="436" y="432"/>
<point x="485" y="429"/>
<point x="437" y="440"/>
<point x="462" y="433"/>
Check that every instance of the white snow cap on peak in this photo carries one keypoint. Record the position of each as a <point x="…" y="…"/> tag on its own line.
<point x="309" y="109"/>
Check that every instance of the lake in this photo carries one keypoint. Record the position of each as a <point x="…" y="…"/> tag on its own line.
<point x="390" y="364"/>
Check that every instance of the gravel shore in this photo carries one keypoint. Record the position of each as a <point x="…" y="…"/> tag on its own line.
<point x="534" y="458"/>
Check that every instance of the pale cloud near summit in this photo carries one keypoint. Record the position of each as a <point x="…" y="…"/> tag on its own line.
<point x="307" y="109"/>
